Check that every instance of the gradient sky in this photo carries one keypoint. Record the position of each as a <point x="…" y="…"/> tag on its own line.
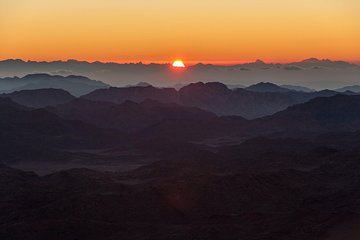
<point x="193" y="30"/>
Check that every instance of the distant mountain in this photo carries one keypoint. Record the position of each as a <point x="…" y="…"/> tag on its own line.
<point x="313" y="73"/>
<point x="354" y="88"/>
<point x="266" y="87"/>
<point x="140" y="84"/>
<point x="39" y="98"/>
<point x="257" y="64"/>
<point x="325" y="63"/>
<point x="298" y="88"/>
<point x="127" y="116"/>
<point x="235" y="86"/>
<point x="301" y="97"/>
<point x="76" y="85"/>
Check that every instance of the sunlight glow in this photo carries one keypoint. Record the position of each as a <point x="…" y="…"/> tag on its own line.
<point x="178" y="64"/>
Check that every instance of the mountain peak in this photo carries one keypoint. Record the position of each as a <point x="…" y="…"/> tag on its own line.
<point x="259" y="61"/>
<point x="37" y="75"/>
<point x="140" y="84"/>
<point x="311" y="60"/>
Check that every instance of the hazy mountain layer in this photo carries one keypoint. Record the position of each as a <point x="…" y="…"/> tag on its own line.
<point x="39" y="98"/>
<point x="76" y="85"/>
<point x="215" y="97"/>
<point x="312" y="73"/>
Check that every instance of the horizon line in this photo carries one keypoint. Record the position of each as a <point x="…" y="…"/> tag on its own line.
<point x="187" y="62"/>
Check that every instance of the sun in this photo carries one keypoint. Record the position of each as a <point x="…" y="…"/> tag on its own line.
<point x="178" y="64"/>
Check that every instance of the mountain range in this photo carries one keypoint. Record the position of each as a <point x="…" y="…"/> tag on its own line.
<point x="80" y="159"/>
<point x="355" y="88"/>
<point x="152" y="117"/>
<point x="251" y="102"/>
<point x="158" y="163"/>
<point x="39" y="98"/>
<point x="256" y="101"/>
<point x="76" y="85"/>
<point x="127" y="116"/>
<point x="312" y="73"/>
<point x="28" y="134"/>
<point x="267" y="185"/>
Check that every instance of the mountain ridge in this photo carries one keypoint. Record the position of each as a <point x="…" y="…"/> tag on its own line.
<point x="75" y="84"/>
<point x="314" y="74"/>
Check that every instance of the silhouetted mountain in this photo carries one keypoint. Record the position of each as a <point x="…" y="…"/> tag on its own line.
<point x="326" y="63"/>
<point x="140" y="84"/>
<point x="39" y="98"/>
<point x="127" y="116"/>
<point x="76" y="85"/>
<point x="326" y="114"/>
<point x="339" y="113"/>
<point x="298" y="88"/>
<point x="135" y="94"/>
<point x="355" y="89"/>
<point x="314" y="73"/>
<point x="257" y="64"/>
<point x="211" y="96"/>
<point x="301" y="97"/>
<point x="266" y="87"/>
<point x="235" y="86"/>
<point x="38" y="134"/>
<point x="216" y="97"/>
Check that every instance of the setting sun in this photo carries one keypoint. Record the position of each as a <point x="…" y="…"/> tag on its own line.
<point x="178" y="64"/>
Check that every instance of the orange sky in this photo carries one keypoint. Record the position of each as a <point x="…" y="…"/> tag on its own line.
<point x="193" y="30"/>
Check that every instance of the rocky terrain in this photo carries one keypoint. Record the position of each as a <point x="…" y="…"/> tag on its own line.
<point x="151" y="163"/>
